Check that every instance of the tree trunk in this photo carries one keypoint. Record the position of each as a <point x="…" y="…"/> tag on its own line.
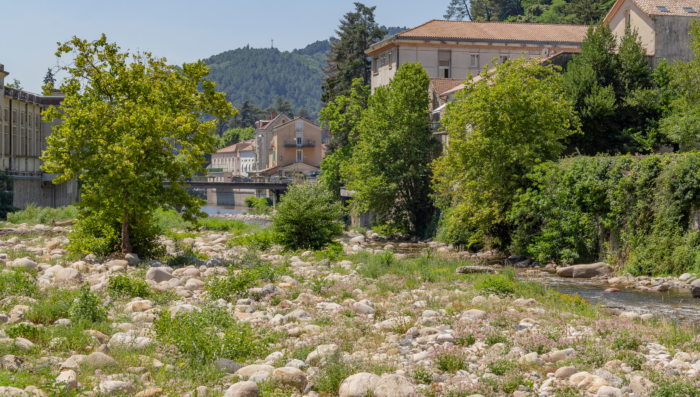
<point x="126" y="245"/>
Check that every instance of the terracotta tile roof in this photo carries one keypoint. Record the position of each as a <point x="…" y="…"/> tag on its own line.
<point x="239" y="147"/>
<point x="508" y="31"/>
<point x="649" y="7"/>
<point x="442" y="85"/>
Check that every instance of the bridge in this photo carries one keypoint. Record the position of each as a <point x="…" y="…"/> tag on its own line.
<point x="277" y="186"/>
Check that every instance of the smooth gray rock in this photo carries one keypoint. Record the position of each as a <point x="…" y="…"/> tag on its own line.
<point x="474" y="269"/>
<point x="586" y="271"/>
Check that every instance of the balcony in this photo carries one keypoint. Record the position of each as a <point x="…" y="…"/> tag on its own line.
<point x="304" y="143"/>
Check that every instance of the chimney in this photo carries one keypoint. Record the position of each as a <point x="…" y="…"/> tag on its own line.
<point x="273" y="116"/>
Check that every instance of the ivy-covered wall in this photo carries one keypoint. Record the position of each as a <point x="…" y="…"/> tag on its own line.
<point x="633" y="211"/>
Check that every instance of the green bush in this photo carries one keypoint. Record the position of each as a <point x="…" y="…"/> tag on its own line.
<point x="332" y="375"/>
<point x="17" y="282"/>
<point x="628" y="209"/>
<point x="94" y="234"/>
<point x="450" y="360"/>
<point x="250" y="201"/>
<point x="308" y="217"/>
<point x="675" y="388"/>
<point x="125" y="286"/>
<point x="87" y="307"/>
<point x="203" y="336"/>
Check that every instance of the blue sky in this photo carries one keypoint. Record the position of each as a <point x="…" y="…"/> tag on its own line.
<point x="181" y="31"/>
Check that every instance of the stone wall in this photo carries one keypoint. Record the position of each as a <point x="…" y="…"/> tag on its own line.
<point x="228" y="196"/>
<point x="44" y="194"/>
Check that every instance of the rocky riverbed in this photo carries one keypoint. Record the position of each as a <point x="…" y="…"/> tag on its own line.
<point x="352" y="327"/>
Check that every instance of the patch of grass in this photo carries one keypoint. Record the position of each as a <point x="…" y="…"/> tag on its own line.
<point x="33" y="215"/>
<point x="674" y="388"/>
<point x="450" y="360"/>
<point x="501" y="367"/>
<point x="210" y="334"/>
<point x="52" y="305"/>
<point x="87" y="307"/>
<point x="496" y="284"/>
<point x="18" y="282"/>
<point x="236" y="283"/>
<point x="332" y="375"/>
<point x="260" y="241"/>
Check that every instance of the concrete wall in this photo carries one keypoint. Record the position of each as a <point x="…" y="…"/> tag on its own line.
<point x="672" y="38"/>
<point x="44" y="194"/>
<point x="228" y="196"/>
<point x="460" y="59"/>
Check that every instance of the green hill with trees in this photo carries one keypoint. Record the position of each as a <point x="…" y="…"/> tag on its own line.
<point x="261" y="75"/>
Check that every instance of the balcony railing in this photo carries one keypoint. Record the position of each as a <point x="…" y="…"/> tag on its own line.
<point x="303" y="143"/>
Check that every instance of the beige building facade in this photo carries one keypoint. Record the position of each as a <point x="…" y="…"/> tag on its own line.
<point x="295" y="147"/>
<point x="454" y="49"/>
<point x="235" y="160"/>
<point x="23" y="138"/>
<point x="663" y="26"/>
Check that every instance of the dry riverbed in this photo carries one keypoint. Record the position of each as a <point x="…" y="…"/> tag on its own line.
<point x="215" y="319"/>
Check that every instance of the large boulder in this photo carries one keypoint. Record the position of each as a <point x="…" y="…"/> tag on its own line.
<point x="123" y="340"/>
<point x="100" y="360"/>
<point x="243" y="389"/>
<point x="23" y="263"/>
<point x="695" y="288"/>
<point x="68" y="275"/>
<point x="358" y="385"/>
<point x="114" y="387"/>
<point x="290" y="376"/>
<point x="67" y="379"/>
<point x="475" y="269"/>
<point x="158" y="274"/>
<point x="250" y="370"/>
<point x="587" y="382"/>
<point x="228" y="366"/>
<point x="393" y="386"/>
<point x="322" y="352"/>
<point x="586" y="271"/>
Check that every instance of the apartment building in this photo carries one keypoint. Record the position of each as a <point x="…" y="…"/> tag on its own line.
<point x="295" y="147"/>
<point x="453" y="49"/>
<point x="234" y="160"/>
<point x="663" y="26"/>
<point x="23" y="138"/>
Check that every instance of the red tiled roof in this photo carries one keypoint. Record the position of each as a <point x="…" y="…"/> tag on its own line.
<point x="509" y="31"/>
<point x="442" y="85"/>
<point x="649" y="7"/>
<point x="239" y="147"/>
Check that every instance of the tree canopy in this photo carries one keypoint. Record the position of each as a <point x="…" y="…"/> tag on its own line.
<point x="389" y="169"/>
<point x="583" y="12"/>
<point x="612" y="90"/>
<point x="499" y="128"/>
<point x="347" y="59"/>
<point x="126" y="116"/>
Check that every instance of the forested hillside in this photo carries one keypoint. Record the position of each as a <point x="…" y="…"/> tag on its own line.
<point x="261" y="75"/>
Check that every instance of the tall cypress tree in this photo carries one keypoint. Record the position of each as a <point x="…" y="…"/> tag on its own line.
<point x="347" y="59"/>
<point x="612" y="91"/>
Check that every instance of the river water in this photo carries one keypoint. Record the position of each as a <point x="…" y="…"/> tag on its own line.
<point x="223" y="209"/>
<point x="677" y="304"/>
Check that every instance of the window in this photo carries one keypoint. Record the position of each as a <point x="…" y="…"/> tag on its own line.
<point x="689" y="10"/>
<point x="299" y="139"/>
<point x="376" y="65"/>
<point x="662" y="9"/>
<point x="474" y="60"/>
<point x="444" y="58"/>
<point x="300" y="156"/>
<point x="628" y="17"/>
<point x="503" y="58"/>
<point x="280" y="158"/>
<point x="390" y="60"/>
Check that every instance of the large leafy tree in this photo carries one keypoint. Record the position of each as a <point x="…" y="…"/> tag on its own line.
<point x="500" y="127"/>
<point x="347" y="59"/>
<point x="235" y="135"/>
<point x="389" y="170"/>
<point x="124" y="116"/>
<point x="612" y="89"/>
<point x="342" y="117"/>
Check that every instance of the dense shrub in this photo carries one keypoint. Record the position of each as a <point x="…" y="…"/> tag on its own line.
<point x="210" y="334"/>
<point x="496" y="284"/>
<point x="33" y="214"/>
<point x="122" y="285"/>
<point x="87" y="307"/>
<point x="258" y="241"/>
<point x="308" y="216"/>
<point x="629" y="210"/>
<point x="259" y="203"/>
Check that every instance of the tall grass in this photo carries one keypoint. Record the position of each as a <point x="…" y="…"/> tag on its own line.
<point x="34" y="215"/>
<point x="170" y="219"/>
